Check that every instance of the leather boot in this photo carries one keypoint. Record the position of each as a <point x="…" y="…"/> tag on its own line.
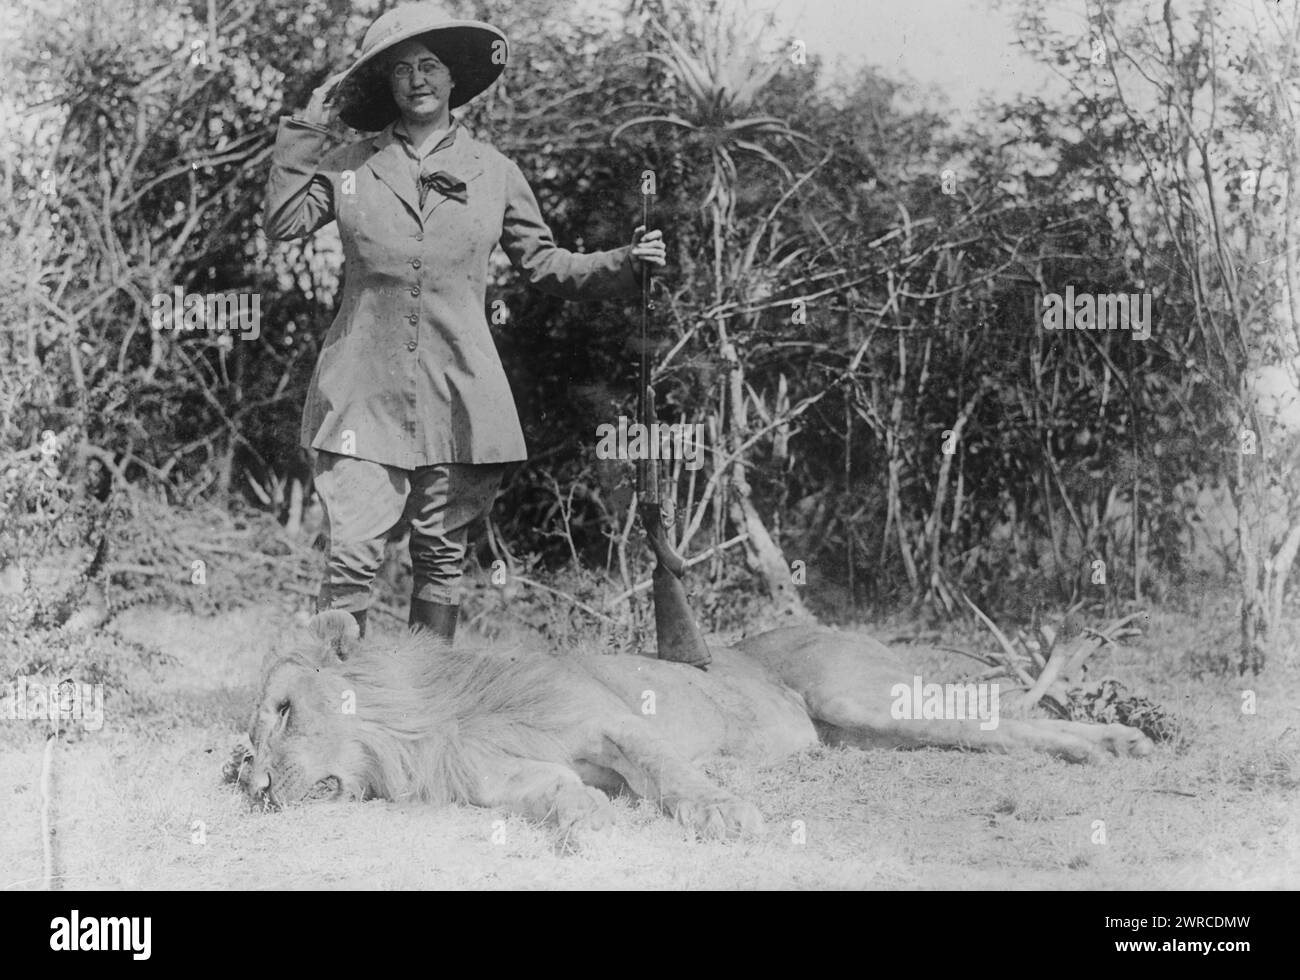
<point x="438" y="618"/>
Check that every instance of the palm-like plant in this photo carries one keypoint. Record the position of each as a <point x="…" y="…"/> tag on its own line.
<point x="717" y="71"/>
<point x="720" y="75"/>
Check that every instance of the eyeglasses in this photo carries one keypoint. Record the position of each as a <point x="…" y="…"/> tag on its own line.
<point x="404" y="71"/>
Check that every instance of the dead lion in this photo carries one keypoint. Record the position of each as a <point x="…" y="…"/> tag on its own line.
<point x="548" y="736"/>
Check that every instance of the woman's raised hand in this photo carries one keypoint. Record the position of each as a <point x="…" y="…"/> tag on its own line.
<point x="322" y="109"/>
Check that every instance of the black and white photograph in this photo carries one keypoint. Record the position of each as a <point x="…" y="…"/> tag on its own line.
<point x="652" y="446"/>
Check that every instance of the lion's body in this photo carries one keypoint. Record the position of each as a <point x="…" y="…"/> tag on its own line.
<point x="544" y="735"/>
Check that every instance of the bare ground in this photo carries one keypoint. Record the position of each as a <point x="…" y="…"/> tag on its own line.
<point x="140" y="803"/>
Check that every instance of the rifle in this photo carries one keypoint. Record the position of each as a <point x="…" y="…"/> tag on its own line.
<point x="678" y="636"/>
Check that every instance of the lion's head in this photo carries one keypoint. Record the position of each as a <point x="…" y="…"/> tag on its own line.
<point x="398" y="719"/>
<point x="305" y="742"/>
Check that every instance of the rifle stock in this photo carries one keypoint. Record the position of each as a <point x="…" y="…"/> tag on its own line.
<point x="678" y="636"/>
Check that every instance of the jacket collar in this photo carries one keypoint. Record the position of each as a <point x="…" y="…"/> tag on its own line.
<point x="391" y="164"/>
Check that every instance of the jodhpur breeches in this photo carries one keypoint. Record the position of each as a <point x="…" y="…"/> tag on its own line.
<point x="367" y="503"/>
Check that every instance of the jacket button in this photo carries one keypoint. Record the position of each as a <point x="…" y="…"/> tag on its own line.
<point x="415" y="290"/>
<point x="413" y="318"/>
<point x="415" y="263"/>
<point x="410" y="345"/>
<point x="419" y="237"/>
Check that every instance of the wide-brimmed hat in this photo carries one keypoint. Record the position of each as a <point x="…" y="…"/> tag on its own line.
<point x="475" y="52"/>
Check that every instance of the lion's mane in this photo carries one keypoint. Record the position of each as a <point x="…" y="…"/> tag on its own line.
<point x="429" y="721"/>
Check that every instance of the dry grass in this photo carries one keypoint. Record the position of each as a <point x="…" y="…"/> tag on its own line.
<point x="140" y="804"/>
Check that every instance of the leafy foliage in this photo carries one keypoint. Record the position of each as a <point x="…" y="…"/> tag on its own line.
<point x="853" y="282"/>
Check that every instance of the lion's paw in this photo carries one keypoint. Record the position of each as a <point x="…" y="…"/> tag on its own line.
<point x="1125" y="741"/>
<point x="582" y="808"/>
<point x="720" y="819"/>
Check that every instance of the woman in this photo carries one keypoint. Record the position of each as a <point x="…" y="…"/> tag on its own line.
<point x="409" y="409"/>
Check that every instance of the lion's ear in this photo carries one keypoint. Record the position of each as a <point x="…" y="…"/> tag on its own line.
<point x="338" y="632"/>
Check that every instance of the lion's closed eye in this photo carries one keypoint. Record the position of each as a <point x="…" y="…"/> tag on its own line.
<point x="283" y="710"/>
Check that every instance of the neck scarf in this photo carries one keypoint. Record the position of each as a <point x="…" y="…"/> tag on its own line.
<point x="446" y="184"/>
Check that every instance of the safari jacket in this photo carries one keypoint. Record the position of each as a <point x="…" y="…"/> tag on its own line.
<point x="408" y="373"/>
